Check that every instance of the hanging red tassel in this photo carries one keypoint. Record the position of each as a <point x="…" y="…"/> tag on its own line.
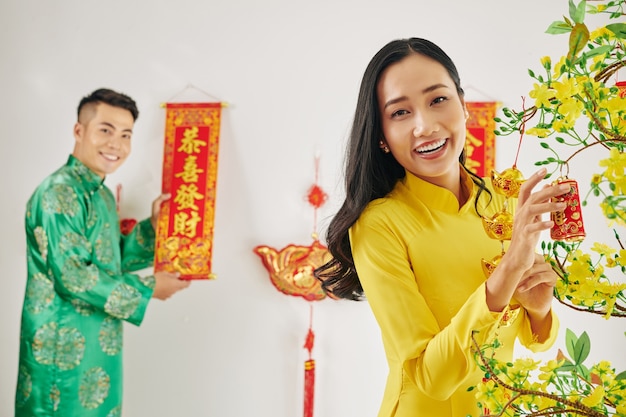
<point x="309" y="387"/>
<point x="309" y="371"/>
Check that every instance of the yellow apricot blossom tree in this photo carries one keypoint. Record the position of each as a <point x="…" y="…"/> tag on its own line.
<point x="577" y="106"/>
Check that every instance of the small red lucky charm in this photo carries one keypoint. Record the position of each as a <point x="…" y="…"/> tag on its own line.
<point x="568" y="224"/>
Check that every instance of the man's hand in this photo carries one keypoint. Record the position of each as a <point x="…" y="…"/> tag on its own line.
<point x="156" y="208"/>
<point x="168" y="283"/>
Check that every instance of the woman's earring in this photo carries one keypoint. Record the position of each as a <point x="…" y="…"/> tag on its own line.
<point x="384" y="146"/>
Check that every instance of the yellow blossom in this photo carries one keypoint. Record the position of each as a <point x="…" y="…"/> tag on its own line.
<point x="571" y="109"/>
<point x="579" y="269"/>
<point x="610" y="263"/>
<point x="551" y="365"/>
<point x="603" y="249"/>
<point x="562" y="125"/>
<point x="542" y="95"/>
<point x="601" y="31"/>
<point x="621" y="257"/>
<point x="595" y="398"/>
<point x="566" y="89"/>
<point x="615" y="164"/>
<point x="620" y="186"/>
<point x="559" y="68"/>
<point x="596" y="179"/>
<point x="539" y="132"/>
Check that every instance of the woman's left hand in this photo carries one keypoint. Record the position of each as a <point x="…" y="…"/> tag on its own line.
<point x="536" y="288"/>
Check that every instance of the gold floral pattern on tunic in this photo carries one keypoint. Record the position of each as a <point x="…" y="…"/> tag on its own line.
<point x="72" y="242"/>
<point x="42" y="242"/>
<point x="24" y="386"/>
<point x="82" y="307"/>
<point x="110" y="337"/>
<point x="148" y="280"/>
<point x="63" y="347"/>
<point x="146" y="241"/>
<point x="122" y="301"/>
<point x="94" y="387"/>
<point x="92" y="218"/>
<point x="103" y="246"/>
<point x="76" y="277"/>
<point x="60" y="199"/>
<point x="39" y="293"/>
<point x="115" y="412"/>
<point x="55" y="397"/>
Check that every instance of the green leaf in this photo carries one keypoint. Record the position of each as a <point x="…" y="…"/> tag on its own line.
<point x="582" y="370"/>
<point x="558" y="27"/>
<point x="577" y="13"/>
<point x="570" y="342"/>
<point x="566" y="367"/>
<point x="577" y="39"/>
<point x="621" y="375"/>
<point x="581" y="349"/>
<point x="598" y="51"/>
<point x="619" y="29"/>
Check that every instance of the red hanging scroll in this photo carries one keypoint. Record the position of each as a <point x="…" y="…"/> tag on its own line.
<point x="480" y="143"/>
<point x="184" y="240"/>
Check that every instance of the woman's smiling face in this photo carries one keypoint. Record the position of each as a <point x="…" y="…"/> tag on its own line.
<point x="423" y="118"/>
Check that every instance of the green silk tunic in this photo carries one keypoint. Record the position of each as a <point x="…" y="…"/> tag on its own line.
<point x="78" y="292"/>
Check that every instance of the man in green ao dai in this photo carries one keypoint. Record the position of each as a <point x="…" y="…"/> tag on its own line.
<point x="80" y="286"/>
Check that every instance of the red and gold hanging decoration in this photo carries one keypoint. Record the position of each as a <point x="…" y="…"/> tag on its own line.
<point x="291" y="272"/>
<point x="184" y="241"/>
<point x="481" y="139"/>
<point x="621" y="87"/>
<point x="126" y="224"/>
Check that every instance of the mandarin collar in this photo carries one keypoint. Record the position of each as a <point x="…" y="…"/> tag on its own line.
<point x="436" y="197"/>
<point x="89" y="179"/>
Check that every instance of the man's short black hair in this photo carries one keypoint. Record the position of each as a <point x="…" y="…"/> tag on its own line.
<point x="112" y="98"/>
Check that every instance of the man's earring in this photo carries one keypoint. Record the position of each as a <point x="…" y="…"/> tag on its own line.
<point x="384" y="146"/>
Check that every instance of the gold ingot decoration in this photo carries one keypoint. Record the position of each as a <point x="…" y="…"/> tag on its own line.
<point x="507" y="182"/>
<point x="500" y="226"/>
<point x="489" y="266"/>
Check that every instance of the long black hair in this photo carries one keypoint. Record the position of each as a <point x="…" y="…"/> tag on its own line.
<point x="369" y="172"/>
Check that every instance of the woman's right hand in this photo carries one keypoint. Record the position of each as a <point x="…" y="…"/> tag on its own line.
<point x="528" y="224"/>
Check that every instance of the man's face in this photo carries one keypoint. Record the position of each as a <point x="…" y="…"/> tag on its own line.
<point x="103" y="134"/>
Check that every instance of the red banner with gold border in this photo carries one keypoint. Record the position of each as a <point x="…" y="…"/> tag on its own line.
<point x="480" y="143"/>
<point x="184" y="240"/>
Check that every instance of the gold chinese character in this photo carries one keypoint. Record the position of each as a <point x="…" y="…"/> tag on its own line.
<point x="190" y="170"/>
<point x="186" y="197"/>
<point x="190" y="142"/>
<point x="186" y="225"/>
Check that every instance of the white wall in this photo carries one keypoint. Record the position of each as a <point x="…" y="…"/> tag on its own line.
<point x="290" y="69"/>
